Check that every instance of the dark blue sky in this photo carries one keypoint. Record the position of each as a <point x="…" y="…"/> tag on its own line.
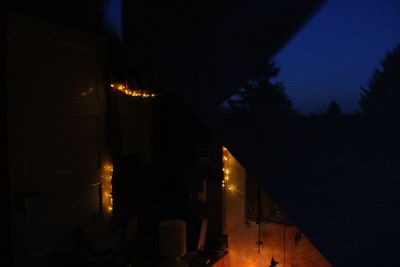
<point x="113" y="15"/>
<point x="336" y="51"/>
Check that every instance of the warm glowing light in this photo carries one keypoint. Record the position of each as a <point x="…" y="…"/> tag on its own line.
<point x="232" y="188"/>
<point x="107" y="189"/>
<point x="126" y="90"/>
<point x="108" y="167"/>
<point x="226" y="171"/>
<point x="87" y="92"/>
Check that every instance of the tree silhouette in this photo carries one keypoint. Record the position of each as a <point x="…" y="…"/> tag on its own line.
<point x="333" y="110"/>
<point x="382" y="98"/>
<point x="262" y="98"/>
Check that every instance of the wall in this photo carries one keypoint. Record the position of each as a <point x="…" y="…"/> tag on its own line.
<point x="56" y="128"/>
<point x="278" y="240"/>
<point x="134" y="118"/>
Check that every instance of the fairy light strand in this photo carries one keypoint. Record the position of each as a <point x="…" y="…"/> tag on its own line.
<point x="226" y="181"/>
<point x="107" y="189"/>
<point x="127" y="91"/>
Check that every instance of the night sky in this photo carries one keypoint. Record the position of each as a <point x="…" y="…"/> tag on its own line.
<point x="113" y="15"/>
<point x="336" y="51"/>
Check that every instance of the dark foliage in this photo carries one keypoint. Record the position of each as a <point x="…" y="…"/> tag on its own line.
<point x="382" y="98"/>
<point x="262" y="99"/>
<point x="333" y="110"/>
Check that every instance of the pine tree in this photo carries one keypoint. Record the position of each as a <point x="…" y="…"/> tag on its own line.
<point x="333" y="110"/>
<point x="382" y="98"/>
<point x="262" y="98"/>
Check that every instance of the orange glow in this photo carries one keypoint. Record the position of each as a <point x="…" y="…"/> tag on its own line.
<point x="106" y="182"/>
<point x="243" y="251"/>
<point x="226" y="171"/>
<point x="126" y="90"/>
<point x="244" y="234"/>
<point x="232" y="188"/>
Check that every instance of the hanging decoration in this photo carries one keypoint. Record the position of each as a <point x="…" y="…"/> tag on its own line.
<point x="297" y="238"/>
<point x="259" y="241"/>
<point x="274" y="263"/>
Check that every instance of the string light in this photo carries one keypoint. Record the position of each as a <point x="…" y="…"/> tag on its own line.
<point x="226" y="171"/>
<point x="126" y="90"/>
<point x="107" y="189"/>
<point x="232" y="188"/>
<point x="87" y="92"/>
